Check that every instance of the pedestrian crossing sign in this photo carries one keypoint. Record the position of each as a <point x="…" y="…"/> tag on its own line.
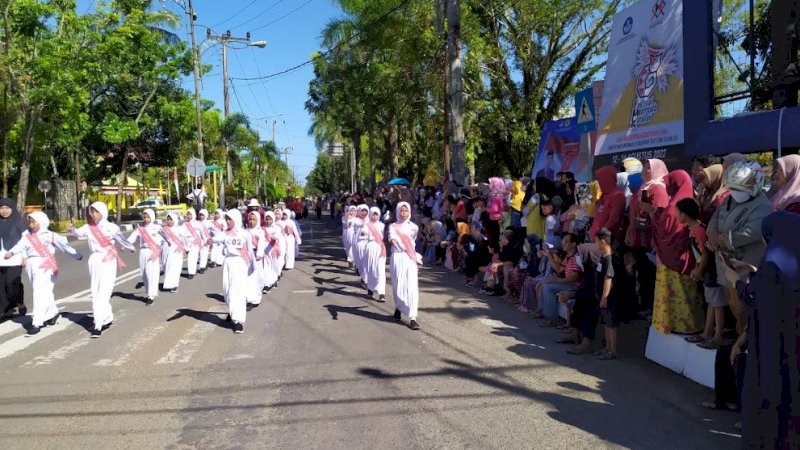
<point x="584" y="110"/>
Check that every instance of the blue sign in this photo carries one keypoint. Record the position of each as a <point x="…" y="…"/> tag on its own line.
<point x="584" y="111"/>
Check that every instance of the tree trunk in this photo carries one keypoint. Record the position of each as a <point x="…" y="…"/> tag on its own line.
<point x="447" y="136"/>
<point x="371" y="157"/>
<point x="25" y="166"/>
<point x="122" y="182"/>
<point x="394" y="144"/>
<point x="459" y="162"/>
<point x="357" y="158"/>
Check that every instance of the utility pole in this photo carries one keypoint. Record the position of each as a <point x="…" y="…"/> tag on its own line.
<point x="459" y="163"/>
<point x="224" y="40"/>
<point x="198" y="114"/>
<point x="286" y="151"/>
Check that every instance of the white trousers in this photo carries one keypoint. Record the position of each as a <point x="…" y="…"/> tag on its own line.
<point x="216" y="254"/>
<point x="291" y="251"/>
<point x="42" y="281"/>
<point x="172" y="271"/>
<point x="254" y="280"/>
<point x="192" y="258"/>
<point x="234" y="270"/>
<point x="360" y="256"/>
<point x="376" y="269"/>
<point x="405" y="286"/>
<point x="204" y="251"/>
<point x="149" y="271"/>
<point x="102" y="277"/>
<point x="271" y="270"/>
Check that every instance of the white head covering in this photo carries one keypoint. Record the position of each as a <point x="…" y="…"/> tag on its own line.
<point x="351" y="208"/>
<point x="150" y="213"/>
<point x="174" y="217"/>
<point x="236" y="217"/>
<point x="204" y="213"/>
<point x="397" y="213"/>
<point x="258" y="217"/>
<point x="271" y="215"/>
<point x="191" y="212"/>
<point x="220" y="212"/>
<point x="361" y="207"/>
<point x="40" y="218"/>
<point x="374" y="210"/>
<point x="253" y="202"/>
<point x="101" y="208"/>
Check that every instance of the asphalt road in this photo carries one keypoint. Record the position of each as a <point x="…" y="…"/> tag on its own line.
<point x="321" y="366"/>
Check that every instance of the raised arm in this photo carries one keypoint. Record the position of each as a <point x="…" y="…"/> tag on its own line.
<point x="61" y="243"/>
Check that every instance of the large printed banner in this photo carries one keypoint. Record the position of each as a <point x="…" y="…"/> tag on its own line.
<point x="563" y="149"/>
<point x="643" y="95"/>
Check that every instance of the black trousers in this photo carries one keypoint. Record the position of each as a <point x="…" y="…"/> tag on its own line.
<point x="646" y="276"/>
<point x="11" y="290"/>
<point x="728" y="379"/>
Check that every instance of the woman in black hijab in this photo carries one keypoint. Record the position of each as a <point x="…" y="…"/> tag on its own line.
<point x="11" y="228"/>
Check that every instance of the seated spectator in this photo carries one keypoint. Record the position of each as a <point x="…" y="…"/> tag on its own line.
<point x="542" y="271"/>
<point x="476" y="255"/>
<point x="569" y="272"/>
<point x="524" y="269"/>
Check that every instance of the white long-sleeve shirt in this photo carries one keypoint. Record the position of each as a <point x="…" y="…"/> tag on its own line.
<point x="109" y="230"/>
<point x="50" y="240"/>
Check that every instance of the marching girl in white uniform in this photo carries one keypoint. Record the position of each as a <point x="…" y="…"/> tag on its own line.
<point x="103" y="262"/>
<point x="205" y="250"/>
<point x="272" y="252"/>
<point x="176" y="243"/>
<point x="282" y="241"/>
<point x="404" y="262"/>
<point x="38" y="247"/>
<point x="375" y="255"/>
<point x="257" y="245"/>
<point x="347" y="233"/>
<point x="360" y="242"/>
<point x="150" y="241"/>
<point x="292" y="238"/>
<point x="218" y="224"/>
<point x="238" y="264"/>
<point x="194" y="240"/>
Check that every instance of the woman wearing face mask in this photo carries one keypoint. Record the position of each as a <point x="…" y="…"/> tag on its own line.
<point x="405" y="287"/>
<point x="103" y="237"/>
<point x="39" y="245"/>
<point x="11" y="291"/>
<point x="176" y="244"/>
<point x="375" y="255"/>
<point x="150" y="241"/>
<point x="734" y="231"/>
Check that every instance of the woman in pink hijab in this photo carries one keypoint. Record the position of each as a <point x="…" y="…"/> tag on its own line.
<point x="785" y="194"/>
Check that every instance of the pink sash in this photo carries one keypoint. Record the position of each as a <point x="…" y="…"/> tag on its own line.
<point x="49" y="259"/>
<point x="174" y="239"/>
<point x="197" y="241"/>
<point x="378" y="238"/>
<point x="243" y="251"/>
<point x="218" y="225"/>
<point x="405" y="241"/>
<point x="111" y="249"/>
<point x="276" y="247"/>
<point x="155" y="251"/>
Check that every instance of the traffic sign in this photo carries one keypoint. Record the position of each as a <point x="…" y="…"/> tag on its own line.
<point x="195" y="168"/>
<point x="584" y="111"/>
<point x="44" y="186"/>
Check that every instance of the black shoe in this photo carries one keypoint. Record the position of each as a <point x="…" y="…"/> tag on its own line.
<point x="190" y="277"/>
<point x="275" y="286"/>
<point x="382" y="299"/>
<point x="52" y="321"/>
<point x="107" y="326"/>
<point x="228" y="319"/>
<point x="149" y="301"/>
<point x="173" y="290"/>
<point x="5" y="317"/>
<point x="96" y="333"/>
<point x="264" y="290"/>
<point x="255" y="305"/>
<point x="22" y="311"/>
<point x="201" y="271"/>
<point x="139" y="285"/>
<point x="33" y="330"/>
<point x="369" y="293"/>
<point x="413" y="325"/>
<point x="397" y="315"/>
<point x="238" y="328"/>
<point x="250" y="306"/>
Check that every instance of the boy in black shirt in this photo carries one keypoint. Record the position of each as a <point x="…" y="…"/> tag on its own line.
<point x="604" y="281"/>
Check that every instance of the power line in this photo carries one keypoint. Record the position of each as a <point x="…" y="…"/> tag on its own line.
<point x="331" y="50"/>
<point x="258" y="15"/>
<point x="240" y="11"/>
<point x="283" y="16"/>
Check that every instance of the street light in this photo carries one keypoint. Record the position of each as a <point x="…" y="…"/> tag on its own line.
<point x="224" y="40"/>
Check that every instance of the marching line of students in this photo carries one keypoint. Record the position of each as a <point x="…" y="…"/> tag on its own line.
<point x="256" y="251"/>
<point x="363" y="242"/>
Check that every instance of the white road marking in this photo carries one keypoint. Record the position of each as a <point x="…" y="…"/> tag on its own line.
<point x="308" y="291"/>
<point x="132" y="346"/>
<point x="22" y="342"/>
<point x="183" y="350"/>
<point x="58" y="354"/>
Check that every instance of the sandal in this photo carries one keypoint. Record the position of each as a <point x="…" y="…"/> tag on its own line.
<point x="710" y="344"/>
<point x="607" y="356"/>
<point x="695" y="339"/>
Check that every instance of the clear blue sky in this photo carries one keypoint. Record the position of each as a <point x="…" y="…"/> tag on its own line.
<point x="291" y="40"/>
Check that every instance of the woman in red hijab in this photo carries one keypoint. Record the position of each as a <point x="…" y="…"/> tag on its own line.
<point x="678" y="303"/>
<point x="610" y="206"/>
